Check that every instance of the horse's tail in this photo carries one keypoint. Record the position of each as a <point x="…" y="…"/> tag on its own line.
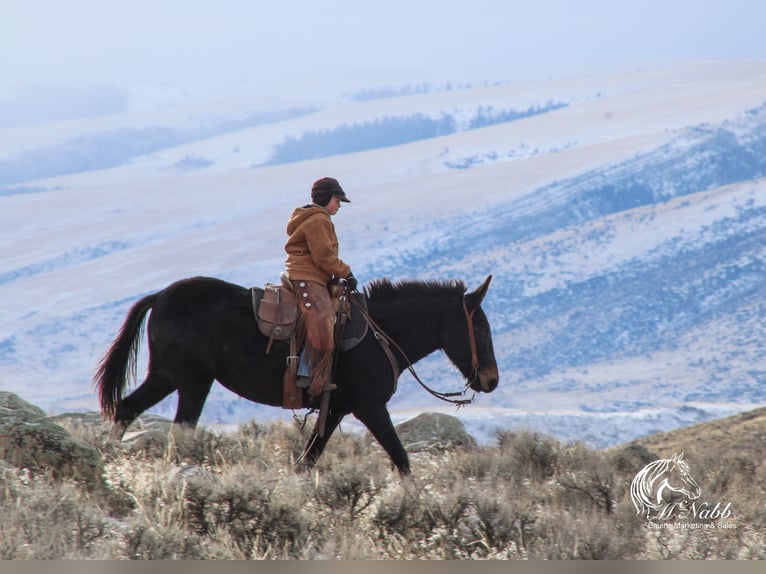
<point x="119" y="362"/>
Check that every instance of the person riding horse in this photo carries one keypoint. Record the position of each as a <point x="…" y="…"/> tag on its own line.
<point x="202" y="330"/>
<point x="312" y="262"/>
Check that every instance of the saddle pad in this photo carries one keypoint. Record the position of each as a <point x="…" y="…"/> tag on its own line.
<point x="356" y="326"/>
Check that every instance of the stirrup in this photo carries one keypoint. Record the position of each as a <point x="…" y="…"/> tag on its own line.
<point x="327" y="387"/>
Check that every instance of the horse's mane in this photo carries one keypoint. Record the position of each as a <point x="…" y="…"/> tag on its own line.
<point x="384" y="289"/>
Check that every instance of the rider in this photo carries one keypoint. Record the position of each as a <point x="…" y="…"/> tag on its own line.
<point x="312" y="261"/>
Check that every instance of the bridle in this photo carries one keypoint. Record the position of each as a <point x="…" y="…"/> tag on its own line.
<point x="386" y="342"/>
<point x="472" y="339"/>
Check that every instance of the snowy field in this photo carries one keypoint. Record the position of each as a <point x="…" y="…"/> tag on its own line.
<point x="81" y="248"/>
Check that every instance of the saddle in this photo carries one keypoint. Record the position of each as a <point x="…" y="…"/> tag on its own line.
<point x="275" y="308"/>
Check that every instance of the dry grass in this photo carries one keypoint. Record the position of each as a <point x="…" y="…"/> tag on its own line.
<point x="205" y="495"/>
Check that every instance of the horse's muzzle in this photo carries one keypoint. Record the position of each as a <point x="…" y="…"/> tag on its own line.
<point x="487" y="380"/>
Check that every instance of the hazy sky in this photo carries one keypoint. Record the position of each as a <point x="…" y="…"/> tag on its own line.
<point x="199" y="41"/>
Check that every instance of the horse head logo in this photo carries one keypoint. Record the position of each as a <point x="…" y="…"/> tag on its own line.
<point x="662" y="486"/>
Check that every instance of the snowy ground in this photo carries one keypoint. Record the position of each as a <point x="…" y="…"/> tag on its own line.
<point x="74" y="256"/>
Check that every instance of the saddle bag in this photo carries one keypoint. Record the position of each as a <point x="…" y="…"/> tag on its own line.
<point x="277" y="313"/>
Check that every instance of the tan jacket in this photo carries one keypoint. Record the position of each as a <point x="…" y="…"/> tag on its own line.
<point x="312" y="246"/>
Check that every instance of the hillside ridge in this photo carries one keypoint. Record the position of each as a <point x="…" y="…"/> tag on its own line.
<point x="739" y="435"/>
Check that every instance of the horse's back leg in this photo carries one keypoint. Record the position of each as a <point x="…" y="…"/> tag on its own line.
<point x="191" y="399"/>
<point x="315" y="446"/>
<point x="378" y="421"/>
<point x="147" y="394"/>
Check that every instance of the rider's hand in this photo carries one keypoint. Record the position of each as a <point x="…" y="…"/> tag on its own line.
<point x="351" y="282"/>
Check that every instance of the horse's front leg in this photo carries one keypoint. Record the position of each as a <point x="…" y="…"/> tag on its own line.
<point x="316" y="443"/>
<point x="378" y="421"/>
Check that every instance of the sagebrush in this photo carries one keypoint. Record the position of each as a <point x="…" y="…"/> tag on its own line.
<point x="210" y="495"/>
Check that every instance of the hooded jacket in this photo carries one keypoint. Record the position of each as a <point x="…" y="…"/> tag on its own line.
<point x="312" y="246"/>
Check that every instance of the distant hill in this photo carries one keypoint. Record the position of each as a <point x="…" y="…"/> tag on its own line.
<point x="743" y="434"/>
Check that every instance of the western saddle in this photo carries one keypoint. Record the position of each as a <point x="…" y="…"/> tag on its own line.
<point x="276" y="311"/>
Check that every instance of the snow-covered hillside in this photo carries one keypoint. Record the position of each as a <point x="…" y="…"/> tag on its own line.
<point x="625" y="229"/>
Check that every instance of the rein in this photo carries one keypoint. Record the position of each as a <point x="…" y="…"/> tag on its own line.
<point x="386" y="340"/>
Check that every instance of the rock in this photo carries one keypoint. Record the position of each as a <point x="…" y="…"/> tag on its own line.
<point x="434" y="431"/>
<point x="29" y="439"/>
<point x="15" y="402"/>
<point x="83" y="419"/>
<point x="150" y="433"/>
<point x="154" y="441"/>
<point x="193" y="472"/>
<point x="146" y="430"/>
<point x="150" y="422"/>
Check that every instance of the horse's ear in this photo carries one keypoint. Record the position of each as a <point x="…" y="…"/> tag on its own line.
<point x="474" y="299"/>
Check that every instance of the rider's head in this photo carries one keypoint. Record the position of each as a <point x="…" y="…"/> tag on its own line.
<point x="324" y="189"/>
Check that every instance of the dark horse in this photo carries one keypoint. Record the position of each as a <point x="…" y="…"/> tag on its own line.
<point x="203" y="329"/>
